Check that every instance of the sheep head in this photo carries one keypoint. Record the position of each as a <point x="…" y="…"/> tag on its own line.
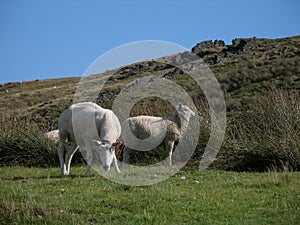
<point x="184" y="111"/>
<point x="107" y="152"/>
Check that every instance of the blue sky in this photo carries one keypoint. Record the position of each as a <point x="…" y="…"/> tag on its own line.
<point x="42" y="39"/>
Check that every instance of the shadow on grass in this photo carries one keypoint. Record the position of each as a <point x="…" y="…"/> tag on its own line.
<point x="20" y="178"/>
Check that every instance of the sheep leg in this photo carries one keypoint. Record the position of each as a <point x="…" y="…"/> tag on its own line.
<point x="60" y="151"/>
<point x="126" y="155"/>
<point x="68" y="158"/>
<point x="115" y="162"/>
<point x="89" y="158"/>
<point x="169" y="147"/>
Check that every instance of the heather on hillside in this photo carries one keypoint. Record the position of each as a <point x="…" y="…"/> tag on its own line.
<point x="260" y="79"/>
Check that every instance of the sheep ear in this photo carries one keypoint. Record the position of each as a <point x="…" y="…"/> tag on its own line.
<point x="117" y="143"/>
<point x="96" y="142"/>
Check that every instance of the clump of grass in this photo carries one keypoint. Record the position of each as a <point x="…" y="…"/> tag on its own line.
<point x="28" y="212"/>
<point x="264" y="136"/>
<point x="22" y="143"/>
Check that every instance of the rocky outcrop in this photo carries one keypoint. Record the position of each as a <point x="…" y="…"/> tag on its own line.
<point x="208" y="47"/>
<point x="214" y="52"/>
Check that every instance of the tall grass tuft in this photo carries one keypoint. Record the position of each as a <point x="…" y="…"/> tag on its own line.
<point x="22" y="143"/>
<point x="265" y="136"/>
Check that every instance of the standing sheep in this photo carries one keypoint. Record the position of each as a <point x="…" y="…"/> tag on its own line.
<point x="91" y="128"/>
<point x="157" y="130"/>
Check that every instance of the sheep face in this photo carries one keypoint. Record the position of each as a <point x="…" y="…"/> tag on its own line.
<point x="107" y="153"/>
<point x="185" y="111"/>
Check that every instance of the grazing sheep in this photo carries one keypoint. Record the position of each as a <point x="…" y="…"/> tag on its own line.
<point x="92" y="129"/>
<point x="52" y="135"/>
<point x="153" y="131"/>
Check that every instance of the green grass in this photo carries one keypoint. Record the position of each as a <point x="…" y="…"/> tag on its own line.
<point x="41" y="196"/>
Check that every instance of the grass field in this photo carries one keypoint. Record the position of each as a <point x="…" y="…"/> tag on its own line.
<point x="41" y="196"/>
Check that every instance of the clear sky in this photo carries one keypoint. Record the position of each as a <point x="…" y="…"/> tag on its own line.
<point x="41" y="39"/>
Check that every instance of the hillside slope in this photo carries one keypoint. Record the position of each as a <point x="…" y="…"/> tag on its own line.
<point x="260" y="79"/>
<point x="246" y="67"/>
